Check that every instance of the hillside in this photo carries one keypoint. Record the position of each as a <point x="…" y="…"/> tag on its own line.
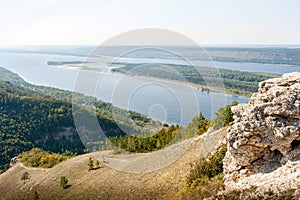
<point x="36" y="116"/>
<point x="105" y="182"/>
<point x="259" y="159"/>
<point x="29" y="119"/>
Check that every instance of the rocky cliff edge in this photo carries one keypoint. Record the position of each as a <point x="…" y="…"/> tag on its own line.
<point x="265" y="135"/>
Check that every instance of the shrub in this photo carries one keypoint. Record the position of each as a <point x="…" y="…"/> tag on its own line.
<point x="91" y="164"/>
<point x="39" y="158"/>
<point x="64" y="182"/>
<point x="204" y="187"/>
<point x="205" y="178"/>
<point x="207" y="167"/>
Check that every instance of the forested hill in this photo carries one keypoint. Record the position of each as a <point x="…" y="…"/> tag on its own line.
<point x="29" y="119"/>
<point x="34" y="116"/>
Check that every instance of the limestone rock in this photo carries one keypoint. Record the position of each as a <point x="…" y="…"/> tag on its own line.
<point x="265" y="133"/>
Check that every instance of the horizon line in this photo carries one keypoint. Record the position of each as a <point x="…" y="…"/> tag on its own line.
<point x="199" y="45"/>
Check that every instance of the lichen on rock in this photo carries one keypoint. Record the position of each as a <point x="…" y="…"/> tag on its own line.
<point x="265" y="133"/>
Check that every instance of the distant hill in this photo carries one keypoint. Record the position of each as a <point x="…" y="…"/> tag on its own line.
<point x="269" y="54"/>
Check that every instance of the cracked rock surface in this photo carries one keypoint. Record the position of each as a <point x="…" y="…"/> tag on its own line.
<point x="265" y="134"/>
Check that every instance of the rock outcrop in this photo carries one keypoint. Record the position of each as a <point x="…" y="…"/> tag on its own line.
<point x="265" y="133"/>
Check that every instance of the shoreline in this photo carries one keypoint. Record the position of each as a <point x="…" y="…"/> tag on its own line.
<point x="192" y="85"/>
<point x="177" y="82"/>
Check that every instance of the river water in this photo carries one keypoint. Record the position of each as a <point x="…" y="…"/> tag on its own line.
<point x="165" y="101"/>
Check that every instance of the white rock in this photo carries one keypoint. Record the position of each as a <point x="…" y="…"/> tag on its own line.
<point x="266" y="132"/>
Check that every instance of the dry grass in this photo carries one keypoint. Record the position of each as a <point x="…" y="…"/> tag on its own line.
<point x="105" y="182"/>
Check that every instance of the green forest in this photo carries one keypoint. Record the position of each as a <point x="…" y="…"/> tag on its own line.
<point x="33" y="116"/>
<point x="235" y="82"/>
<point x="170" y="134"/>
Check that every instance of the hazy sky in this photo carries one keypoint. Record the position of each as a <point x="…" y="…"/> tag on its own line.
<point x="74" y="22"/>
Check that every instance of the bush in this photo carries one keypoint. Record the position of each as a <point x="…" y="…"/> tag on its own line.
<point x="207" y="168"/>
<point x="206" y="176"/>
<point x="39" y="158"/>
<point x="90" y="164"/>
<point x="203" y="188"/>
<point x="64" y="182"/>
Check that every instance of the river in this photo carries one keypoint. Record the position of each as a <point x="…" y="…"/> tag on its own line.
<point x="165" y="101"/>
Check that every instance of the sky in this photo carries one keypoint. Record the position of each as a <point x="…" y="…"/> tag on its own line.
<point x="92" y="22"/>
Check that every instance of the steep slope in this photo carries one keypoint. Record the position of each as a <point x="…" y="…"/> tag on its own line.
<point x="29" y="119"/>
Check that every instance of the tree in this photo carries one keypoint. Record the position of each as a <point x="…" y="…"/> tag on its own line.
<point x="97" y="163"/>
<point x="224" y="116"/>
<point x="203" y="124"/>
<point x="25" y="176"/>
<point x="91" y="164"/>
<point x="64" y="182"/>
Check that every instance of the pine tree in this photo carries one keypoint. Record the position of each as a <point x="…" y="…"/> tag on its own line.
<point x="203" y="124"/>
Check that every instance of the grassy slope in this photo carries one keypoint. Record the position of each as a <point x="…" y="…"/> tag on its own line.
<point x="103" y="183"/>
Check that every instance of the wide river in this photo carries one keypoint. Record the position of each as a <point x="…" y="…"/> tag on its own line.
<point x="168" y="102"/>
